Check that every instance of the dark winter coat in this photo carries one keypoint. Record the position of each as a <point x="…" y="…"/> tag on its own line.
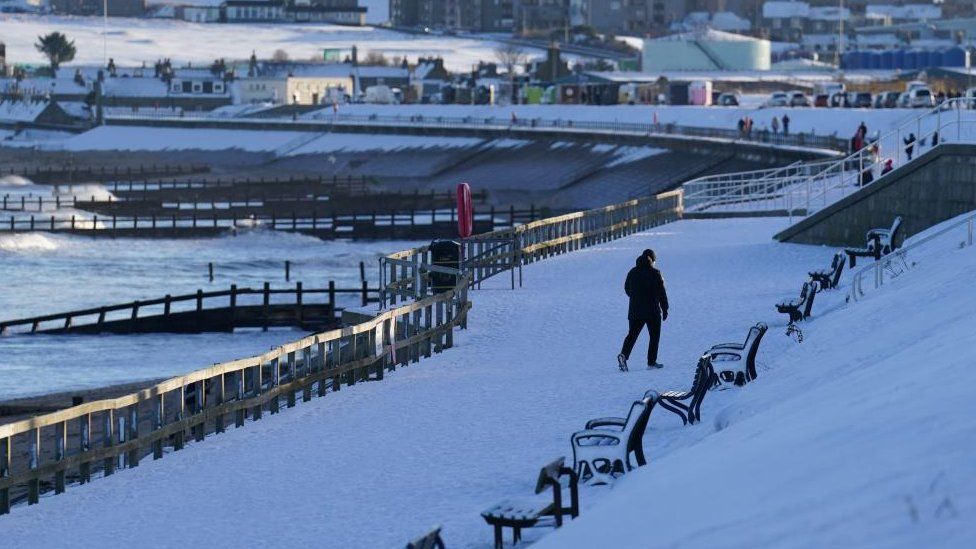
<point x="645" y="287"/>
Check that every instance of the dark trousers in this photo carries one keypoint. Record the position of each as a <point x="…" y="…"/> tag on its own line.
<point x="653" y="330"/>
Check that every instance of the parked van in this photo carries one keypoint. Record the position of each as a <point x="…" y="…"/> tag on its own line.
<point x="920" y="97"/>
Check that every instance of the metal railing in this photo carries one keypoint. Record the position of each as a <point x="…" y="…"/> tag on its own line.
<point x="329" y="120"/>
<point x="740" y="190"/>
<point x="802" y="189"/>
<point x="897" y="263"/>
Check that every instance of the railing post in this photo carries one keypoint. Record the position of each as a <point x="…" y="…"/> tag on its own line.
<point x="5" y="449"/>
<point x="34" y="451"/>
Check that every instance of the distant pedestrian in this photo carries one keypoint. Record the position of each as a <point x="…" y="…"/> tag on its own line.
<point x="888" y="166"/>
<point x="742" y="127"/>
<point x="863" y="128"/>
<point x="935" y="139"/>
<point x="867" y="176"/>
<point x="786" y="124"/>
<point x="648" y="307"/>
<point x="775" y="125"/>
<point x="909" y="145"/>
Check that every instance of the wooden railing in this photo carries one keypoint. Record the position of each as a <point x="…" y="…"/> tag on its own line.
<point x="68" y="173"/>
<point x="49" y="452"/>
<point x="407" y="275"/>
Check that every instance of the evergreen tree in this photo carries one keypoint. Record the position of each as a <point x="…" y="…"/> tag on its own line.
<point x="57" y="48"/>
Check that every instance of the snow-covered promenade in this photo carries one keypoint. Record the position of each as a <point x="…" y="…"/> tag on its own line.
<point x="439" y="441"/>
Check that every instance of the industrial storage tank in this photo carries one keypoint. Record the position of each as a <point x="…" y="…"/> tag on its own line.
<point x="899" y="59"/>
<point x="954" y="57"/>
<point x="707" y="50"/>
<point x="936" y="59"/>
<point x="874" y="61"/>
<point x="911" y="60"/>
<point x="863" y="59"/>
<point x="849" y="60"/>
<point x="888" y="60"/>
<point x="923" y="59"/>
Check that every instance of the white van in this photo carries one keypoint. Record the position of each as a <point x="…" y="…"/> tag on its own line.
<point x="920" y="97"/>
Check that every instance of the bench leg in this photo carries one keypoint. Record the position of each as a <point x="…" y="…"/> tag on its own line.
<point x="516" y="535"/>
<point x="498" y="537"/>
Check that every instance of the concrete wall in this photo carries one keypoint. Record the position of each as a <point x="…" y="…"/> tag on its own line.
<point x="937" y="186"/>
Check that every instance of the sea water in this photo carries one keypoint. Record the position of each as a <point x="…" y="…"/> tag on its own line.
<point x="43" y="273"/>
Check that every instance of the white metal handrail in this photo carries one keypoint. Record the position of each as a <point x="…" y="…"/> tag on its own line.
<point x="825" y="182"/>
<point x="887" y="266"/>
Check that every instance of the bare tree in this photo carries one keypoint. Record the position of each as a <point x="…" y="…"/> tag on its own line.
<point x="279" y="56"/>
<point x="510" y="56"/>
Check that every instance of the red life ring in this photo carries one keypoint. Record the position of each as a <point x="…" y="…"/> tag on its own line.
<point x="465" y="211"/>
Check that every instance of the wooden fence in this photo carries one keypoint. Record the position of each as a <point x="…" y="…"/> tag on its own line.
<point x="73" y="445"/>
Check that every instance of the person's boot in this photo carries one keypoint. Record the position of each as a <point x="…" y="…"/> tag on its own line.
<point x="655" y="365"/>
<point x="622" y="362"/>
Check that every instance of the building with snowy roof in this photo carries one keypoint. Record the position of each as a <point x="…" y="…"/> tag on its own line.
<point x="707" y="50"/>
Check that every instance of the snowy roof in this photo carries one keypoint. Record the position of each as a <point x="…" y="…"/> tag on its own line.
<point x="908" y="11"/>
<point x="781" y="10"/>
<point x="830" y="13"/>
<point x="40" y="86"/>
<point x="135" y="87"/>
<point x="728" y="21"/>
<point x="382" y="72"/>
<point x="21" y="111"/>
<point x="706" y="34"/>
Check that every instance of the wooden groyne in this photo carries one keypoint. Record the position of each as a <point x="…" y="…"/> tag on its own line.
<point x="412" y="225"/>
<point x="79" y="173"/>
<point x="214" y="311"/>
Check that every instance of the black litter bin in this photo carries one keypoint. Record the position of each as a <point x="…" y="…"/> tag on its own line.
<point x="444" y="253"/>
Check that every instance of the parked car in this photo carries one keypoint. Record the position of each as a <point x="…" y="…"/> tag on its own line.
<point x="798" y="99"/>
<point x="728" y="99"/>
<point x="886" y="100"/>
<point x="778" y="99"/>
<point x="971" y="98"/>
<point x="839" y="99"/>
<point x="859" y="100"/>
<point x="821" y="100"/>
<point x="920" y="98"/>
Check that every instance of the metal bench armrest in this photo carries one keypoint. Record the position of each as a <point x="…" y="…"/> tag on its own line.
<point x="606" y="422"/>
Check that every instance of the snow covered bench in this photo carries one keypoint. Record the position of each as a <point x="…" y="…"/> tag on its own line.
<point x="829" y="278"/>
<point x="604" y="448"/>
<point x="879" y="242"/>
<point x="736" y="362"/>
<point x="537" y="512"/>
<point x="430" y="540"/>
<point x="801" y="307"/>
<point x="674" y="401"/>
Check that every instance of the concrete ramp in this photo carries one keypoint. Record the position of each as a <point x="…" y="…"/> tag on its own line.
<point x="938" y="185"/>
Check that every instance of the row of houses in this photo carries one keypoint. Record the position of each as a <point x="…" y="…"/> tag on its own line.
<point x="347" y="12"/>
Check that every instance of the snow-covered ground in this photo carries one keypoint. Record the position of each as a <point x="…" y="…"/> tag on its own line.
<point x="134" y="41"/>
<point x="439" y="441"/>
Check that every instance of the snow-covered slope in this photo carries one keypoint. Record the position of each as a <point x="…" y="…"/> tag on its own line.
<point x="864" y="435"/>
<point x="841" y="441"/>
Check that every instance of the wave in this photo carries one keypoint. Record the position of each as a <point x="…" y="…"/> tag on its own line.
<point x="15" y="181"/>
<point x="20" y="243"/>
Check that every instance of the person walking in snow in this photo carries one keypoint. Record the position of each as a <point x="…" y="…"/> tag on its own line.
<point x="648" y="307"/>
<point x="775" y="125"/>
<point x="786" y="124"/>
